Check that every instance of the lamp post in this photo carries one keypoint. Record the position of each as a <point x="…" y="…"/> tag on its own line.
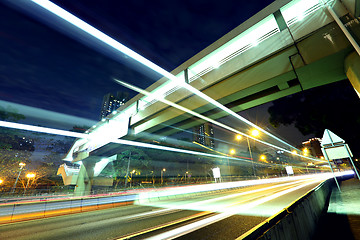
<point x="163" y="170"/>
<point x="22" y="165"/>
<point x="254" y="133"/>
<point x="29" y="176"/>
<point x="132" y="172"/>
<point x="306" y="152"/>
<point x="232" y="152"/>
<point x="1" y="182"/>
<point x="127" y="170"/>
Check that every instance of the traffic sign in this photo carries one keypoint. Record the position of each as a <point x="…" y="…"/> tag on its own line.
<point x="331" y="139"/>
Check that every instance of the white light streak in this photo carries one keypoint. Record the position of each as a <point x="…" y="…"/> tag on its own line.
<point x="89" y="137"/>
<point x="162" y="99"/>
<point x="232" y="211"/>
<point x="143" y="197"/>
<point x="41" y="129"/>
<point x="120" y="47"/>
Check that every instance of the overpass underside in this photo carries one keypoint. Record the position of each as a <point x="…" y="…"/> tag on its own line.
<point x="314" y="60"/>
<point x="292" y="55"/>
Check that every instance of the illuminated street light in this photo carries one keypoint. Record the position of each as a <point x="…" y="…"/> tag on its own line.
<point x="232" y="152"/>
<point x="263" y="157"/>
<point x="1" y="181"/>
<point x="29" y="176"/>
<point x="22" y="165"/>
<point x="238" y="137"/>
<point x="294" y="152"/>
<point x="306" y="152"/>
<point x="255" y="133"/>
<point x="131" y="173"/>
<point x="163" y="170"/>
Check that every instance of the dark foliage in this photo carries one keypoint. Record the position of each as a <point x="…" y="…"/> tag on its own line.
<point x="335" y="107"/>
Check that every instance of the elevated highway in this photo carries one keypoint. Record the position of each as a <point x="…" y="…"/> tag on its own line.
<point x="288" y="47"/>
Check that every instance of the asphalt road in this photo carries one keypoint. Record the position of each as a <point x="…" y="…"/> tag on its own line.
<point x="219" y="215"/>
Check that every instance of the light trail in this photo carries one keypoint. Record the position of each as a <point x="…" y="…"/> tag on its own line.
<point x="199" y="206"/>
<point x="42" y="129"/>
<point x="181" y="108"/>
<point x="146" y="196"/>
<point x="172" y="234"/>
<point x="67" y="16"/>
<point x="119" y="141"/>
<point x="205" y="211"/>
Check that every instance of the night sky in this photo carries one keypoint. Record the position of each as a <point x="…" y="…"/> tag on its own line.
<point x="42" y="68"/>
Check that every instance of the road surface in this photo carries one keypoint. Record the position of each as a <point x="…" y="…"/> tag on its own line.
<point x="217" y="215"/>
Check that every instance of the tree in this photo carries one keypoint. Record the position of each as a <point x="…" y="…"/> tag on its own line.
<point x="334" y="107"/>
<point x="139" y="161"/>
<point x="10" y="114"/>
<point x="15" y="145"/>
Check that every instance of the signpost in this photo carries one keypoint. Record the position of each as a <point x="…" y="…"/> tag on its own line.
<point x="289" y="170"/>
<point x="334" y="147"/>
<point x="216" y="173"/>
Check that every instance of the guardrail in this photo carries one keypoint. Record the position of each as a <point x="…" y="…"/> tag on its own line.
<point x="13" y="212"/>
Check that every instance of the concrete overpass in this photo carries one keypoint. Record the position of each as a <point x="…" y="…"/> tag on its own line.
<point x="288" y="47"/>
<point x="284" y="49"/>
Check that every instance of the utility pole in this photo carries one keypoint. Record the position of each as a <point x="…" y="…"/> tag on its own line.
<point x="127" y="171"/>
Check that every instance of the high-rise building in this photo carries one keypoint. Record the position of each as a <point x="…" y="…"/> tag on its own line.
<point x="204" y="134"/>
<point x="314" y="147"/>
<point x="112" y="102"/>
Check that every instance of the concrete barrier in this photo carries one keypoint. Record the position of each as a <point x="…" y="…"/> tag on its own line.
<point x="299" y="220"/>
<point x="13" y="212"/>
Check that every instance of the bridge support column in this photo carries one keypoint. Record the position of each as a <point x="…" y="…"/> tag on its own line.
<point x="352" y="70"/>
<point x="85" y="179"/>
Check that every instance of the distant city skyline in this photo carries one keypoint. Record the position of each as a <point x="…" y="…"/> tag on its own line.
<point x="204" y="135"/>
<point x="111" y="102"/>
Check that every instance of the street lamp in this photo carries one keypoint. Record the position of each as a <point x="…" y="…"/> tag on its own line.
<point x="306" y="152"/>
<point x="255" y="133"/>
<point x="29" y="176"/>
<point x="131" y="173"/>
<point x="232" y="152"/>
<point x="263" y="157"/>
<point x="1" y="181"/>
<point x="163" y="170"/>
<point x="127" y="170"/>
<point x="22" y="165"/>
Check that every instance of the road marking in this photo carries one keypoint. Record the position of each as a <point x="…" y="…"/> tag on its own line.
<point x="164" y="225"/>
<point x="205" y="222"/>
